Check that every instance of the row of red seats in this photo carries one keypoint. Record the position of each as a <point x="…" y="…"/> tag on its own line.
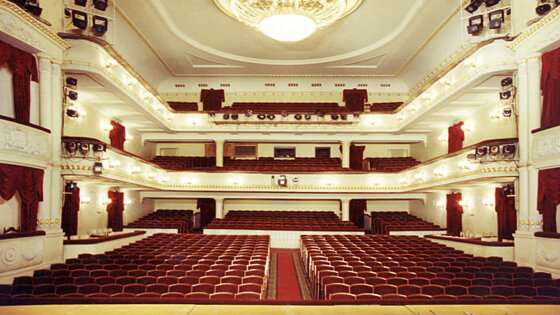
<point x="383" y="107"/>
<point x="278" y="220"/>
<point x="278" y="107"/>
<point x="382" y="267"/>
<point x="184" y="162"/>
<point x="182" y="266"/>
<point x="391" y="164"/>
<point x="383" y="222"/>
<point x="165" y="219"/>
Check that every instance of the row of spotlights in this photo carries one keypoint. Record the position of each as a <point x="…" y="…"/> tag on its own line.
<point x="80" y="20"/>
<point x="495" y="20"/>
<point x="100" y="5"/>
<point x="545" y="5"/>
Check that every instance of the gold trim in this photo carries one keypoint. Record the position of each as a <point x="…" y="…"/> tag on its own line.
<point x="535" y="27"/>
<point x="26" y="16"/>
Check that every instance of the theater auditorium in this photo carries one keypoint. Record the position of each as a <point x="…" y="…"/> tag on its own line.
<point x="279" y="156"/>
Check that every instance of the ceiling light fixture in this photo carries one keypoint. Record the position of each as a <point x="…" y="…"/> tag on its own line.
<point x="288" y="20"/>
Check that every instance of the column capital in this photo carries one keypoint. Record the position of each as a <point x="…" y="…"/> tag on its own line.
<point x="345" y="142"/>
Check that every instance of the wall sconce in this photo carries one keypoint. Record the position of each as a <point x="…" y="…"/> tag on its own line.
<point x="441" y="204"/>
<point x="107" y="127"/>
<point x="443" y="138"/>
<point x="151" y="175"/>
<point x="404" y="180"/>
<point x="470" y="63"/>
<point x="446" y="82"/>
<point x="81" y="113"/>
<point x="439" y="172"/>
<point x="464" y="204"/>
<point x="114" y="163"/>
<point x="131" y="81"/>
<point x="128" y="137"/>
<point x="127" y="201"/>
<point x="467" y="127"/>
<point x="164" y="179"/>
<point x="187" y="181"/>
<point x="489" y="203"/>
<point x="85" y="200"/>
<point x="464" y="165"/>
<point x="376" y="182"/>
<point x="496" y="114"/>
<point x="111" y="63"/>
<point x="400" y="117"/>
<point x="419" y="177"/>
<point x="134" y="170"/>
<point x="168" y="117"/>
<point x="105" y="201"/>
<point x="234" y="181"/>
<point x="159" y="107"/>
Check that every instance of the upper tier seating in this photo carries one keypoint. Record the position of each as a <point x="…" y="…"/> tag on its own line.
<point x="282" y="220"/>
<point x="384" y="107"/>
<point x="184" y="106"/>
<point x="310" y="164"/>
<point x="176" y="266"/>
<point x="166" y="219"/>
<point x="384" y="222"/>
<point x="391" y="164"/>
<point x="402" y="269"/>
<point x="184" y="162"/>
<point x="278" y="107"/>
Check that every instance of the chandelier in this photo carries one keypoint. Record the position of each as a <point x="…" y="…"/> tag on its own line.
<point x="287" y="20"/>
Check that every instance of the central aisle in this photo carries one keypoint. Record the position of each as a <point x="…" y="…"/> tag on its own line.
<point x="288" y="286"/>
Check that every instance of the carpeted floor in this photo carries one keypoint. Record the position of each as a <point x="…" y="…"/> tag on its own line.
<point x="287" y="279"/>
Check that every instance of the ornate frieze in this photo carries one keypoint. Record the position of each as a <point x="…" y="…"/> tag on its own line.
<point x="14" y="137"/>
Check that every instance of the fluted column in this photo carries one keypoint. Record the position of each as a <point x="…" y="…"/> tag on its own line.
<point x="534" y="108"/>
<point x="345" y="207"/>
<point x="45" y="120"/>
<point x="523" y="124"/>
<point x="219" y="153"/>
<point x="219" y="208"/>
<point x="345" y="154"/>
<point x="56" y="136"/>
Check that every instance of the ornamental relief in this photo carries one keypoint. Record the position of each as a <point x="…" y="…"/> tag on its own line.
<point x="24" y="253"/>
<point x="548" y="255"/>
<point x="546" y="145"/>
<point x="15" y="138"/>
<point x="13" y="27"/>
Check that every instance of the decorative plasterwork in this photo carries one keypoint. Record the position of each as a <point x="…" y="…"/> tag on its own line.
<point x="19" y="24"/>
<point x="548" y="254"/>
<point x="24" y="253"/>
<point x="22" y="139"/>
<point x="539" y="35"/>
<point x="546" y="148"/>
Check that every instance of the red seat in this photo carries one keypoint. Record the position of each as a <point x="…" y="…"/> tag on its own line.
<point x="203" y="287"/>
<point x="247" y="296"/>
<point x="342" y="296"/>
<point x="222" y="296"/>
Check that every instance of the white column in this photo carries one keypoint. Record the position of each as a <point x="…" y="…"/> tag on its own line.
<point x="56" y="136"/>
<point x="219" y="208"/>
<point x="345" y="154"/>
<point x="219" y="153"/>
<point x="523" y="123"/>
<point x="45" y="89"/>
<point x="534" y="109"/>
<point x="345" y="207"/>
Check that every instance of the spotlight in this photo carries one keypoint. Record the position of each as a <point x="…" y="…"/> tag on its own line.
<point x="226" y="116"/>
<point x="491" y="3"/>
<point x="356" y="114"/>
<point x="507" y="112"/>
<point x="80" y="2"/>
<point x="282" y="181"/>
<point x="271" y="116"/>
<point x="212" y="114"/>
<point x="508" y="150"/>
<point x="507" y="81"/>
<point x="71" y="146"/>
<point x="84" y="147"/>
<point x="475" y="25"/>
<point x="99" y="147"/>
<point x="100" y="4"/>
<point x="73" y="95"/>
<point x="473" y="6"/>
<point x="481" y="151"/>
<point x="71" y="81"/>
<point x="297" y="116"/>
<point x="70" y="186"/>
<point x="261" y="116"/>
<point x="72" y="112"/>
<point x="307" y="116"/>
<point x="496" y="19"/>
<point x="543" y="8"/>
<point x="343" y="116"/>
<point x="99" y="25"/>
<point x="284" y="113"/>
<point x="248" y="113"/>
<point x="505" y="95"/>
<point x="234" y="116"/>
<point x="97" y="168"/>
<point x="494" y="150"/>
<point x="334" y="117"/>
<point x="79" y="19"/>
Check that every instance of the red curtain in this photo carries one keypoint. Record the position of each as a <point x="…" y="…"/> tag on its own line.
<point x="507" y="216"/>
<point x="117" y="135"/>
<point x="356" y="157"/>
<point x="212" y="99"/>
<point x="355" y="99"/>
<point x="70" y="212"/>
<point x="550" y="86"/>
<point x="454" y="214"/>
<point x="28" y="182"/>
<point x="115" y="209"/>
<point x="455" y="137"/>
<point x="24" y="69"/>
<point x="357" y="209"/>
<point x="548" y="197"/>
<point x="207" y="208"/>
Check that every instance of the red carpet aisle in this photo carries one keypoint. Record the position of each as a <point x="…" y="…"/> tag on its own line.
<point x="287" y="281"/>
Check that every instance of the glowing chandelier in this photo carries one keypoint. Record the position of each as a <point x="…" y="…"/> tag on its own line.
<point x="287" y="20"/>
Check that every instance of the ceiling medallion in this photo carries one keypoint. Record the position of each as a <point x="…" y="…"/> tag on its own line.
<point x="287" y="20"/>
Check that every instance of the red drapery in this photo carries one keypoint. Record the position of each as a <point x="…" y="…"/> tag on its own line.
<point x="70" y="212"/>
<point x="507" y="216"/>
<point x="117" y="135"/>
<point x="212" y="99"/>
<point x="455" y="137"/>
<point x="454" y="214"/>
<point x="28" y="182"/>
<point x="207" y="208"/>
<point x="115" y="209"/>
<point x="356" y="157"/>
<point x="24" y="69"/>
<point x="357" y="209"/>
<point x="550" y="86"/>
<point x="548" y="197"/>
<point x="355" y="99"/>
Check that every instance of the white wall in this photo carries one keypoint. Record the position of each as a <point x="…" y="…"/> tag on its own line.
<point x="7" y="97"/>
<point x="387" y="205"/>
<point x="10" y="212"/>
<point x="181" y="204"/>
<point x="268" y="204"/>
<point x="383" y="149"/>
<point x="183" y="149"/>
